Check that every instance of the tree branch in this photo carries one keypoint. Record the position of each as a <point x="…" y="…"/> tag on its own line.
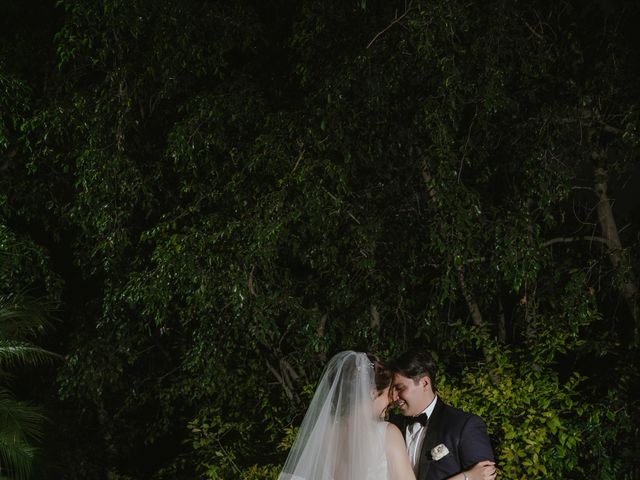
<point x="474" y="309"/>
<point x="629" y="286"/>
<point x="290" y="376"/>
<point x="375" y="318"/>
<point x="534" y="32"/>
<point x="281" y="380"/>
<point x="395" y="20"/>
<point x="588" y="238"/>
<point x="250" y="282"/>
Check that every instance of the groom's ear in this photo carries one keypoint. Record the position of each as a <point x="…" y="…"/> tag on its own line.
<point x="425" y="381"/>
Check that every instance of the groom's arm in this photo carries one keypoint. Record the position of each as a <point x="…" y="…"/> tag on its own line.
<point x="474" y="443"/>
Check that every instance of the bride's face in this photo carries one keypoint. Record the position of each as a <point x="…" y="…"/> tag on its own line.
<point x="381" y="402"/>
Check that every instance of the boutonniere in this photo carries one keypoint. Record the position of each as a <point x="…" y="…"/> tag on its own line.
<point x="439" y="451"/>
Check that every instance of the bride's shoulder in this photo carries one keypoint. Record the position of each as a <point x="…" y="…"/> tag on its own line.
<point x="397" y="453"/>
<point x="393" y="433"/>
<point x="395" y="449"/>
<point x="390" y="426"/>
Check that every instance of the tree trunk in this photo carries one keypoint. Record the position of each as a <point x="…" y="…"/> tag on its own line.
<point x="474" y="308"/>
<point x="375" y="318"/>
<point x="502" y="323"/>
<point x="472" y="304"/>
<point x="628" y="284"/>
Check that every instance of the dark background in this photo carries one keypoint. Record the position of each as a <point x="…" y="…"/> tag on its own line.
<point x="214" y="197"/>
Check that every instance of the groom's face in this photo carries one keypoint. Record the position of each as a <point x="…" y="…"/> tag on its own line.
<point x="412" y="397"/>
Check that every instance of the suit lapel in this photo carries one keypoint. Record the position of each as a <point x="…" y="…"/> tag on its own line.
<point x="434" y="426"/>
<point x="403" y="428"/>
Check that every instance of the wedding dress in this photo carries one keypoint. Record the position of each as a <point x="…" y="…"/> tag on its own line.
<point x="340" y="437"/>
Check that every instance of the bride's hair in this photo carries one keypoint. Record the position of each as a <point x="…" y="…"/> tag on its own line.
<point x="381" y="378"/>
<point x="382" y="374"/>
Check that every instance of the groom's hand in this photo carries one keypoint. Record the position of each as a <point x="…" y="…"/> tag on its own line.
<point x="485" y="470"/>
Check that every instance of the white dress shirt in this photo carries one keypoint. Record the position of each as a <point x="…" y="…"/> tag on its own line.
<point x="414" y="436"/>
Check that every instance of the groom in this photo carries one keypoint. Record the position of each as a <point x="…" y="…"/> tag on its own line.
<point x="443" y="442"/>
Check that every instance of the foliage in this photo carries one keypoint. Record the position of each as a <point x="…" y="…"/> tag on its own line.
<point x="536" y="421"/>
<point x="20" y="424"/>
<point x="223" y="194"/>
<point x="542" y="425"/>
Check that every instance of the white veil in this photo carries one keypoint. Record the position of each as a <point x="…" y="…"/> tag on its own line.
<point x="340" y="437"/>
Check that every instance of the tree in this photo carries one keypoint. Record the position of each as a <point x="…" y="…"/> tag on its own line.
<point x="234" y="192"/>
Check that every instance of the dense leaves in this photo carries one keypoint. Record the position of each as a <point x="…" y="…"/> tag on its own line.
<point x="21" y="319"/>
<point x="223" y="194"/>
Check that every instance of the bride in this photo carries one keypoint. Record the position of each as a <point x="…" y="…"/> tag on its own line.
<point x="343" y="435"/>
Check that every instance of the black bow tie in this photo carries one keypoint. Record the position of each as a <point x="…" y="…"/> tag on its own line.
<point x="421" y="419"/>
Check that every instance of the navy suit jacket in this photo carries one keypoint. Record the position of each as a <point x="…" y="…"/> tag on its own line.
<point x="464" y="435"/>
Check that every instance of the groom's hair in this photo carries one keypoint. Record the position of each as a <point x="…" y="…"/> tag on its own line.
<point x="415" y="364"/>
